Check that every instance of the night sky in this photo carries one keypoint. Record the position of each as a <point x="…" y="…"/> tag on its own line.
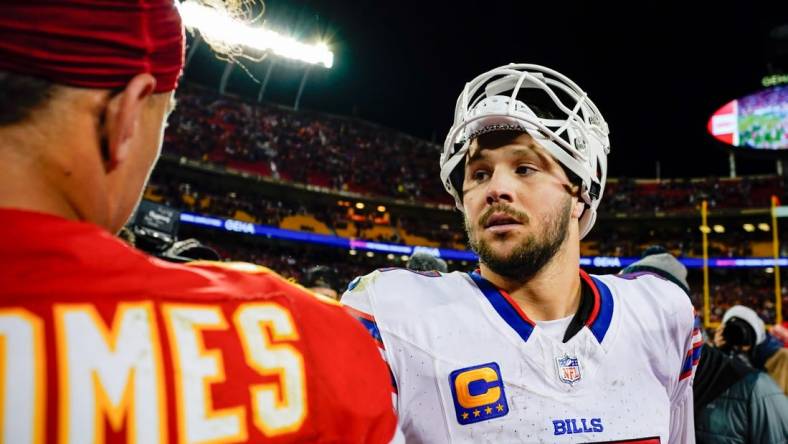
<point x="657" y="71"/>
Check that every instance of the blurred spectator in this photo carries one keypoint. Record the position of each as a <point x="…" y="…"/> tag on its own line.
<point x="658" y="261"/>
<point x="322" y="280"/>
<point x="749" y="391"/>
<point x="780" y="332"/>
<point x="189" y="250"/>
<point x="742" y="327"/>
<point x="772" y="356"/>
<point x="734" y="403"/>
<point x="426" y="262"/>
<point x="740" y="332"/>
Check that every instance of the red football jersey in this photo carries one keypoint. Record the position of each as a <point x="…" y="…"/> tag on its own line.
<point x="100" y="343"/>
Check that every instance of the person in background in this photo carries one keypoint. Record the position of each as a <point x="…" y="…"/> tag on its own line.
<point x="422" y="261"/>
<point x="733" y="402"/>
<point x="322" y="280"/>
<point x="743" y="332"/>
<point x="774" y="356"/>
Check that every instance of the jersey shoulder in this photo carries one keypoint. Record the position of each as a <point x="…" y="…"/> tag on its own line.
<point x="338" y="352"/>
<point x="245" y="282"/>
<point x="404" y="288"/>
<point x="647" y="291"/>
<point x="238" y="282"/>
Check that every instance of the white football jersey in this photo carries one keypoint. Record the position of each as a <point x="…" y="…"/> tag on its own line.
<point x="468" y="366"/>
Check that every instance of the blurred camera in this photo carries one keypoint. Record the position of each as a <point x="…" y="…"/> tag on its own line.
<point x="154" y="230"/>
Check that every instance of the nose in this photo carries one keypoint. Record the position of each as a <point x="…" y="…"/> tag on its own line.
<point x="500" y="188"/>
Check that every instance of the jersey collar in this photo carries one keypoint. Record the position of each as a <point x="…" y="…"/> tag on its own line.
<point x="595" y="311"/>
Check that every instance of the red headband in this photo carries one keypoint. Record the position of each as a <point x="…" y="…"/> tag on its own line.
<point x="92" y="43"/>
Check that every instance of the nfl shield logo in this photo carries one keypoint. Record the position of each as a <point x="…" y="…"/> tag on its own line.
<point x="568" y="369"/>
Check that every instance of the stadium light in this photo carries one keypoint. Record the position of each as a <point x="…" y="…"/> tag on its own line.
<point x="213" y="24"/>
<point x="748" y="228"/>
<point x="763" y="226"/>
<point x="352" y="252"/>
<point x="404" y="257"/>
<point x="360" y="205"/>
<point x="719" y="229"/>
<point x="381" y="208"/>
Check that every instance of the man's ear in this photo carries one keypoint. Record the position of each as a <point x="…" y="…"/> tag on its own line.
<point x="121" y="119"/>
<point x="577" y="211"/>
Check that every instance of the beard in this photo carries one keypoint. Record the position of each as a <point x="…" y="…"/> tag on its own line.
<point x="533" y="252"/>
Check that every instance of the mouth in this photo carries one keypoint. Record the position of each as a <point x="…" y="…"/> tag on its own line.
<point x="500" y="222"/>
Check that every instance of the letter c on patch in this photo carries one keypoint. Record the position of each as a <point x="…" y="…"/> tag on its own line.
<point x="462" y="387"/>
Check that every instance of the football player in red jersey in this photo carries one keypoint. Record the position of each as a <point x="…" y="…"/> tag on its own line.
<point x="101" y="343"/>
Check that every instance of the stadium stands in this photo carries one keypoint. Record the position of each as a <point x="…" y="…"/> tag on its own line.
<point x="308" y="171"/>
<point x="344" y="154"/>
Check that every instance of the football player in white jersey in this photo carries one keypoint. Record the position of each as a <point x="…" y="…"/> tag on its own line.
<point x="528" y="347"/>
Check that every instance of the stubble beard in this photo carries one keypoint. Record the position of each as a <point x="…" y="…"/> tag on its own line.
<point x="532" y="253"/>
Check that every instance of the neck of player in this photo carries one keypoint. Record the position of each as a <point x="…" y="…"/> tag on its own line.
<point x="553" y="292"/>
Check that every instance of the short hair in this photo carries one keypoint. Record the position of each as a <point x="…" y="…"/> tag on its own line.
<point x="498" y="138"/>
<point x="422" y="261"/>
<point x="321" y="276"/>
<point x="20" y="95"/>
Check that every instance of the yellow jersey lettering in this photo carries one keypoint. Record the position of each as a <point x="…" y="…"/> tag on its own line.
<point x="111" y="372"/>
<point x="278" y="408"/>
<point x="21" y="377"/>
<point x="195" y="370"/>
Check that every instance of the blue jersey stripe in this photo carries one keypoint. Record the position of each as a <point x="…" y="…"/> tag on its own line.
<point x="503" y="307"/>
<point x="372" y="328"/>
<point x="687" y="364"/>
<point x="602" y="323"/>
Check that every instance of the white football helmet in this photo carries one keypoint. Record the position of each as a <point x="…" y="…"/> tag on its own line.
<point x="572" y="130"/>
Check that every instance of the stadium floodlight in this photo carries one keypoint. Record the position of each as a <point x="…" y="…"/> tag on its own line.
<point x="763" y="226"/>
<point x="719" y="229"/>
<point x="748" y="228"/>
<point x="215" y="25"/>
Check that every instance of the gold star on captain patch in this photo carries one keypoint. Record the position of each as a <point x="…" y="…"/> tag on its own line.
<point x="499" y="407"/>
<point x="476" y="413"/>
<point x="465" y="415"/>
<point x="488" y="410"/>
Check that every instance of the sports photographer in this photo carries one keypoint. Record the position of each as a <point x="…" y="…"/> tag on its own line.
<point x="740" y="332"/>
<point x="732" y="386"/>
<point x="733" y="402"/>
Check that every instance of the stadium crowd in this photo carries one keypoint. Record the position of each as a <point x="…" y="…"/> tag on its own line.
<point x="317" y="149"/>
<point x="342" y="153"/>
<point x="614" y="239"/>
<point x="266" y="210"/>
